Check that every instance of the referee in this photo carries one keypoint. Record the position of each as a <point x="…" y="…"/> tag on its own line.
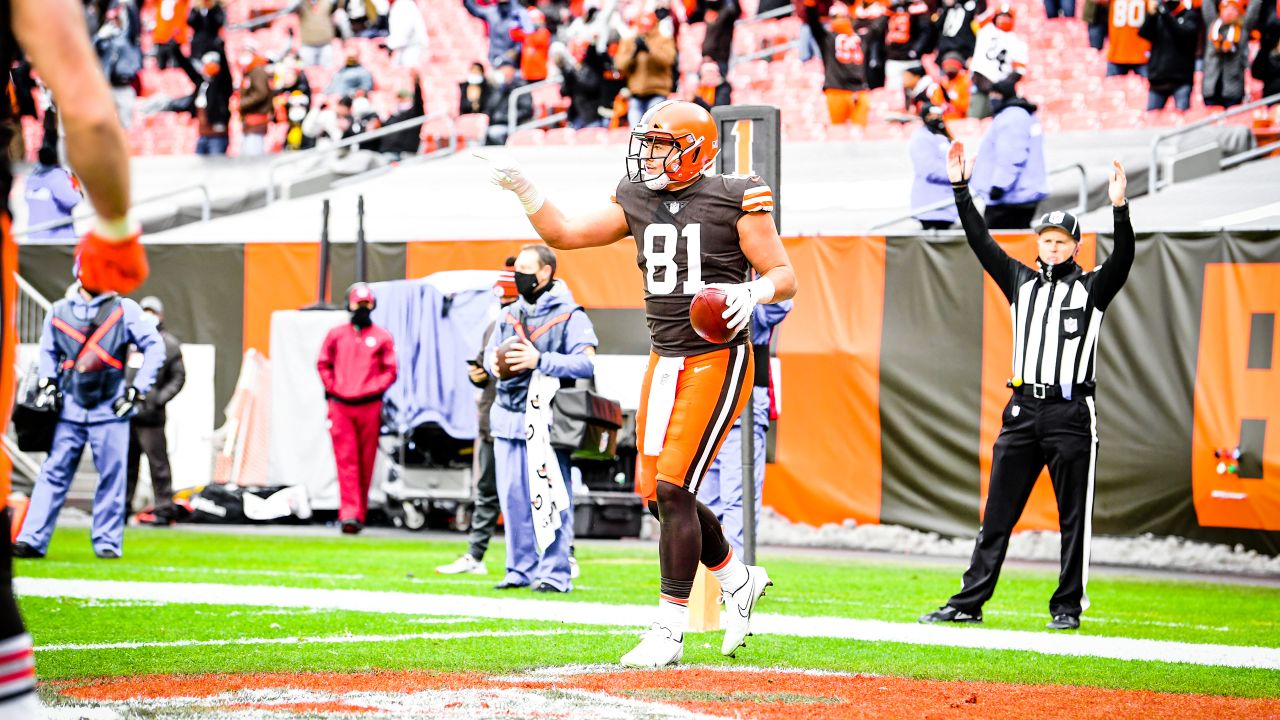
<point x="1050" y="419"/>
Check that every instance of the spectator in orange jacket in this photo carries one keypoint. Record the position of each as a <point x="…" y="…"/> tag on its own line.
<point x="535" y="47"/>
<point x="357" y="364"/>
<point x="956" y="84"/>
<point x="170" y="32"/>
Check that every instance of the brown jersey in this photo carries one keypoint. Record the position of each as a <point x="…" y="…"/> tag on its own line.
<point x="685" y="240"/>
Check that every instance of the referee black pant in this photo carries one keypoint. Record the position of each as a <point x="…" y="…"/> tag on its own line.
<point x="1063" y="435"/>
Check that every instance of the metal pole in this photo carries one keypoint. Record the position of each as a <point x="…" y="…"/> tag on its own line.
<point x="747" y="432"/>
<point x="360" y="244"/>
<point x="324" y="256"/>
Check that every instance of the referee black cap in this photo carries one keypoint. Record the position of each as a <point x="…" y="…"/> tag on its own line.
<point x="1061" y="219"/>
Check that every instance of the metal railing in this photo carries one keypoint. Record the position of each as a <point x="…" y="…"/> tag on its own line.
<point x="206" y="209"/>
<point x="767" y="52"/>
<point x="32" y="308"/>
<point x="262" y="20"/>
<point x="319" y="151"/>
<point x="513" y="117"/>
<point x="1153" y="172"/>
<point x="783" y="11"/>
<point x="1082" y="197"/>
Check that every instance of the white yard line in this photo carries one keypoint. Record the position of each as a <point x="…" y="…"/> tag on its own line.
<point x="329" y="639"/>
<point x="587" y="613"/>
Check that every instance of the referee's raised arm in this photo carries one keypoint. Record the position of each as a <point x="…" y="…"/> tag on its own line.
<point x="1002" y="268"/>
<point x="1113" y="272"/>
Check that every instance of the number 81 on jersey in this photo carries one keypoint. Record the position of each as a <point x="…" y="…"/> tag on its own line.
<point x="661" y="246"/>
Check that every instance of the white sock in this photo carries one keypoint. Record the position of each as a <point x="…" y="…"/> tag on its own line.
<point x="673" y="616"/>
<point x="732" y="573"/>
<point x="24" y="706"/>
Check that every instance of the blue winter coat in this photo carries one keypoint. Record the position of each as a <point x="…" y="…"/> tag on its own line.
<point x="1012" y="158"/>
<point x="563" y="350"/>
<point x="931" y="184"/>
<point x="501" y="17"/>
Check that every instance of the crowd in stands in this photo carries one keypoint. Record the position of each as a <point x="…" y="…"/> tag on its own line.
<point x="261" y="76"/>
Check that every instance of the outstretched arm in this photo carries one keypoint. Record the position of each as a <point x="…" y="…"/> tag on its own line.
<point x="1002" y="268"/>
<point x="592" y="229"/>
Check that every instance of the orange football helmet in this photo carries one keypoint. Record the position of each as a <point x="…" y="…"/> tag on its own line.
<point x="676" y="141"/>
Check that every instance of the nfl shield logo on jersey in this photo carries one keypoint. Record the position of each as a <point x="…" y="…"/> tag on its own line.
<point x="1069" y="325"/>
<point x="675" y="206"/>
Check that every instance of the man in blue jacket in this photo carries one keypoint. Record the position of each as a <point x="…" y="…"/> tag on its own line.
<point x="721" y="489"/>
<point x="556" y="343"/>
<point x="928" y="149"/>
<point x="502" y="17"/>
<point x="83" y="350"/>
<point x="1009" y="171"/>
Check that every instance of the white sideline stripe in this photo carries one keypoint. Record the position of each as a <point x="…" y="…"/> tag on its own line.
<point x="326" y="639"/>
<point x="587" y="613"/>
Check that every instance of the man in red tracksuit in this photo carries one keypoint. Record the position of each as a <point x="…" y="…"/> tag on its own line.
<point x="357" y="364"/>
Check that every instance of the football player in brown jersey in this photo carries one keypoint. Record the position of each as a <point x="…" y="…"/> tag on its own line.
<point x="110" y="257"/>
<point x="692" y="230"/>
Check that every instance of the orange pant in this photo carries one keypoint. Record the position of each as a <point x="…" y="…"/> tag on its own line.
<point x="8" y="342"/>
<point x="847" y="106"/>
<point x="711" y="392"/>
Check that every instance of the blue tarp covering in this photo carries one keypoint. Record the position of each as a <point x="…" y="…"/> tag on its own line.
<point x="438" y="323"/>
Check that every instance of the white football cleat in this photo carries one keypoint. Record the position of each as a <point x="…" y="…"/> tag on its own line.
<point x="465" y="564"/>
<point x="738" y="606"/>
<point x="573" y="568"/>
<point x="658" y="648"/>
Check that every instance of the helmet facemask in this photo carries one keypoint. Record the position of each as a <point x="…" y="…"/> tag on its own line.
<point x="656" y="158"/>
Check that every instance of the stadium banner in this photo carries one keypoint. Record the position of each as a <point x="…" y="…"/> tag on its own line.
<point x="894" y="363"/>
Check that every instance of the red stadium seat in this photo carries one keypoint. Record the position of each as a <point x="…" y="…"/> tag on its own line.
<point x="472" y="127"/>
<point x="527" y="137"/>
<point x="592" y="136"/>
<point x="560" y="136"/>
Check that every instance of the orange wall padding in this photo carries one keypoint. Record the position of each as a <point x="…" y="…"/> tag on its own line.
<point x="605" y="277"/>
<point x="997" y="354"/>
<point x="277" y="276"/>
<point x="828" y="454"/>
<point x="1228" y="390"/>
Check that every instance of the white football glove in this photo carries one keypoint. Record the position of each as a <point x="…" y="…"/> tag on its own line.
<point x="505" y="172"/>
<point x="742" y="299"/>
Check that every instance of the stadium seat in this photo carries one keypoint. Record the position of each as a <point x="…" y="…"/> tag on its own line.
<point x="472" y="127"/>
<point x="592" y="136"/>
<point x="527" y="137"/>
<point x="560" y="136"/>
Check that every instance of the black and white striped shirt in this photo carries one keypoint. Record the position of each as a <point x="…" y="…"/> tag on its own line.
<point x="1057" y="311"/>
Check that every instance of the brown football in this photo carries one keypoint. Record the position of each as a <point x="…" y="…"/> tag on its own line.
<point x="503" y="367"/>
<point x="705" y="314"/>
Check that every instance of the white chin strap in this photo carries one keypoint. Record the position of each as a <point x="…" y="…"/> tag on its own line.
<point x="658" y="183"/>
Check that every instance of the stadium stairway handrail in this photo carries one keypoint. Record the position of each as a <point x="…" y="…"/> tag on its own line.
<point x="31" y="310"/>
<point x="206" y="208"/>
<point x="767" y="52"/>
<point x="301" y="155"/>
<point x="1082" y="197"/>
<point x="262" y="20"/>
<point x="773" y="14"/>
<point x="513" y="126"/>
<point x="1153" y="170"/>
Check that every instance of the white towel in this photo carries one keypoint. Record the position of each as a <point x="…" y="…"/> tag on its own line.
<point x="662" y="398"/>
<point x="548" y="495"/>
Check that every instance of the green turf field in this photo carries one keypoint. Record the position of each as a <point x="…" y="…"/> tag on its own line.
<point x="622" y="573"/>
